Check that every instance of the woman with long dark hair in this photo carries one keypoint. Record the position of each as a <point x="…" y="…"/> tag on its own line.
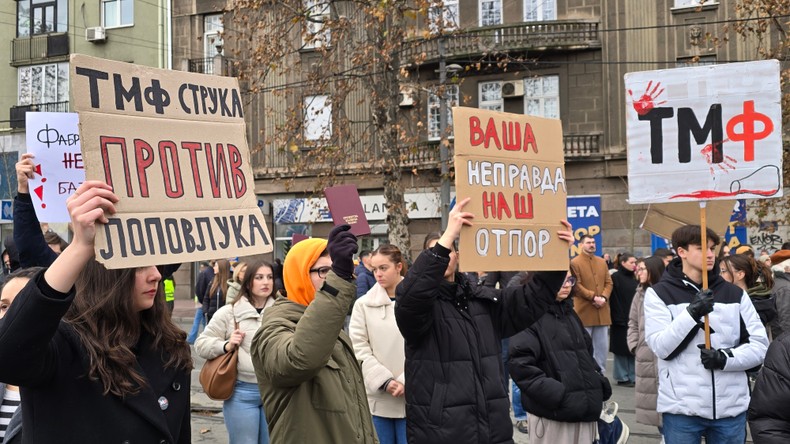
<point x="623" y="289"/>
<point x="218" y="290"/>
<point x="93" y="350"/>
<point x="648" y="272"/>
<point x="243" y="411"/>
<point x="756" y="279"/>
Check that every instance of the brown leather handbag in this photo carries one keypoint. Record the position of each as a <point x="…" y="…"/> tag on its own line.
<point x="218" y="375"/>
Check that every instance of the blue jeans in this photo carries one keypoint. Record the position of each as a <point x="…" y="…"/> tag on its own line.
<point x="684" y="429"/>
<point x="600" y="343"/>
<point x="390" y="430"/>
<point x="624" y="370"/>
<point x="199" y="319"/>
<point x="518" y="409"/>
<point x="244" y="417"/>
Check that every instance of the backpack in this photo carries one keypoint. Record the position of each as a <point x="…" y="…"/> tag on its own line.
<point x="611" y="430"/>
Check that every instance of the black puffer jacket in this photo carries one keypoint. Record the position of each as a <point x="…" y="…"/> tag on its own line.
<point x="552" y="364"/>
<point x="454" y="390"/>
<point x="769" y="417"/>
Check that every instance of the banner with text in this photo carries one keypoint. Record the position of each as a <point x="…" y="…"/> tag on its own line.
<point x="54" y="141"/>
<point x="584" y="213"/>
<point x="512" y="166"/>
<point x="173" y="146"/>
<point x="704" y="133"/>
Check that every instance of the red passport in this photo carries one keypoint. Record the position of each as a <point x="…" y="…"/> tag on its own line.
<point x="346" y="208"/>
<point x="296" y="238"/>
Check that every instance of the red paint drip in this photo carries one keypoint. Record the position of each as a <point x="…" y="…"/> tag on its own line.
<point x="711" y="194"/>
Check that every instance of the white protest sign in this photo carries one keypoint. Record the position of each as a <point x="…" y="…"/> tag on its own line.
<point x="704" y="133"/>
<point x="54" y="141"/>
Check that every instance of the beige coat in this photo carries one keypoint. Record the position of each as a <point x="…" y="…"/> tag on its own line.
<point x="210" y="343"/>
<point x="592" y="279"/>
<point x="379" y="346"/>
<point x="646" y="364"/>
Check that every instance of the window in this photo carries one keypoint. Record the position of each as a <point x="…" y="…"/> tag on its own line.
<point x="117" y="13"/>
<point x="317" y="118"/>
<point x="212" y="37"/>
<point x="43" y="84"/>
<point x="542" y="96"/>
<point x="490" y="95"/>
<point x="434" y="112"/>
<point x="443" y="15"/>
<point x="316" y="34"/>
<point x="539" y="10"/>
<point x="689" y="3"/>
<point x="41" y="17"/>
<point x="686" y="62"/>
<point x="490" y="12"/>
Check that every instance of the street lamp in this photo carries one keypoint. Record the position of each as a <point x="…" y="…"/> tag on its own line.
<point x="444" y="152"/>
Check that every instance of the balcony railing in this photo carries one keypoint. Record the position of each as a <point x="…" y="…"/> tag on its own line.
<point x="582" y="146"/>
<point x="221" y="66"/>
<point x="565" y="35"/>
<point x="39" y="49"/>
<point x="426" y="155"/>
<point x="17" y="113"/>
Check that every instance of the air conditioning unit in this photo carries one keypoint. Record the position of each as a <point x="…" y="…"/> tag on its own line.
<point x="95" y="34"/>
<point x="513" y="89"/>
<point x="406" y="97"/>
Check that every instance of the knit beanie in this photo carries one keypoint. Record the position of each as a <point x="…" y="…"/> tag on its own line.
<point x="296" y="269"/>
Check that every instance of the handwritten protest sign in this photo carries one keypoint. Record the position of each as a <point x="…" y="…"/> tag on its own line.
<point x="704" y="133"/>
<point x="54" y="141"/>
<point x="173" y="147"/>
<point x="511" y="165"/>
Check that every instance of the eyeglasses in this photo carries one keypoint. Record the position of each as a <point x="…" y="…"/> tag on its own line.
<point x="322" y="271"/>
<point x="570" y="281"/>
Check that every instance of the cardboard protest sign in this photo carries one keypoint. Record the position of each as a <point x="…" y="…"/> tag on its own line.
<point x="662" y="219"/>
<point x="54" y="141"/>
<point x="704" y="133"/>
<point x="173" y="146"/>
<point x="346" y="208"/>
<point x="512" y="167"/>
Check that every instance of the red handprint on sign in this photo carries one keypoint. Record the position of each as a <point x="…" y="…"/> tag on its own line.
<point x="727" y="161"/>
<point x="646" y="102"/>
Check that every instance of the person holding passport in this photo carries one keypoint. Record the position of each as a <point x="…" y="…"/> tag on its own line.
<point x="453" y="333"/>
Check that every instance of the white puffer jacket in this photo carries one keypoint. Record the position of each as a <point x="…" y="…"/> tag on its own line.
<point x="685" y="387"/>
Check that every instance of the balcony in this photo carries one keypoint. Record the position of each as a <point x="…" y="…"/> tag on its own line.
<point x="43" y="48"/>
<point x="220" y="66"/>
<point x="17" y="113"/>
<point x="557" y="35"/>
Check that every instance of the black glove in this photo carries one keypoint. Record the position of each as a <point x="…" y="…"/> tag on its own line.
<point x="712" y="359"/>
<point x="701" y="305"/>
<point x="342" y="245"/>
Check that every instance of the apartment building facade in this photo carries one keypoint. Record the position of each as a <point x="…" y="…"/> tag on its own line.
<point x="561" y="59"/>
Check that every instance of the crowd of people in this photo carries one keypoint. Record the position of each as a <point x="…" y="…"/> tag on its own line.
<point x="330" y="351"/>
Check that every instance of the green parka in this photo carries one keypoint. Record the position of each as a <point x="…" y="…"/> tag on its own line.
<point x="309" y="378"/>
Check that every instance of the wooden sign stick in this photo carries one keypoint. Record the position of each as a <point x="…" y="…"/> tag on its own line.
<point x="704" y="234"/>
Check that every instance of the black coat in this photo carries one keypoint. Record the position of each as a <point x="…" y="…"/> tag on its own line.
<point x="623" y="290"/>
<point x="212" y="303"/>
<point x="769" y="415"/>
<point x="60" y="404"/>
<point x="454" y="390"/>
<point x="552" y="364"/>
